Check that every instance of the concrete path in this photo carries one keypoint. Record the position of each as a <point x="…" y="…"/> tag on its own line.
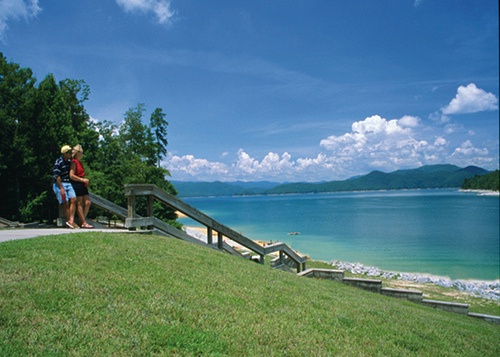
<point x="25" y="233"/>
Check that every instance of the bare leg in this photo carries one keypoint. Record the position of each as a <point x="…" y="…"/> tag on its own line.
<point x="80" y="210"/>
<point x="86" y="205"/>
<point x="72" y="208"/>
<point x="66" y="209"/>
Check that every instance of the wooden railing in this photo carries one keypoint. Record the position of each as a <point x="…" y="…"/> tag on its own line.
<point x="155" y="193"/>
<point x="109" y="206"/>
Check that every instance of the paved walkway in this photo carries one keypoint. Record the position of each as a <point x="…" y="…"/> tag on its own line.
<point x="25" y="233"/>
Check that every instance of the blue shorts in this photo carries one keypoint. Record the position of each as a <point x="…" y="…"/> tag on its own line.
<point x="68" y="188"/>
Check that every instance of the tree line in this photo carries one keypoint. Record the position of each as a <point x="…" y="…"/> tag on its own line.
<point x="488" y="181"/>
<point x="36" y="119"/>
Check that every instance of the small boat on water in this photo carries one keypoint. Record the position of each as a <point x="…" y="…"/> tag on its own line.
<point x="293" y="233"/>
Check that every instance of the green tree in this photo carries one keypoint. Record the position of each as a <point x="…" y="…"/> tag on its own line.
<point x="489" y="181"/>
<point x="36" y="120"/>
<point x="127" y="155"/>
<point x="134" y="135"/>
<point x="57" y="118"/>
<point x="17" y="86"/>
<point x="158" y="126"/>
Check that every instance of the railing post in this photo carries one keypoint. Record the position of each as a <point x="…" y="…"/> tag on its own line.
<point x="261" y="260"/>
<point x="150" y="212"/>
<point x="150" y="206"/>
<point x="220" y="241"/>
<point x="131" y="208"/>
<point x="209" y="235"/>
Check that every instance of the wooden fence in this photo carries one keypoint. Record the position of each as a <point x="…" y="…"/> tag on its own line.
<point x="153" y="193"/>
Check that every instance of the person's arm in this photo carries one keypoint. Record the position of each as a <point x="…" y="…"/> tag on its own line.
<point x="59" y="183"/>
<point x="57" y="176"/>
<point x="72" y="175"/>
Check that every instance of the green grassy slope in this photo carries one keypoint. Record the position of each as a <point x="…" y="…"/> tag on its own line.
<point x="102" y="294"/>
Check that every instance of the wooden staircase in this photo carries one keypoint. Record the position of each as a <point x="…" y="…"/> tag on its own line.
<point x="152" y="192"/>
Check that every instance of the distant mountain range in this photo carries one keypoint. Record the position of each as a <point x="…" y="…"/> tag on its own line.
<point x="217" y="188"/>
<point x="431" y="176"/>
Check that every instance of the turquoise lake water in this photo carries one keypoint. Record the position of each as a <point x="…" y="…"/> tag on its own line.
<point x="440" y="232"/>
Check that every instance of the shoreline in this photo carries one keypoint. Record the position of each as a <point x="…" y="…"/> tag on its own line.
<point x="482" y="192"/>
<point x="486" y="289"/>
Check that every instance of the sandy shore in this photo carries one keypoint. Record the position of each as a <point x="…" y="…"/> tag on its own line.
<point x="201" y="234"/>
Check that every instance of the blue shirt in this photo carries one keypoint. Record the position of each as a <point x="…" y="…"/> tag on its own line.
<point x="61" y="168"/>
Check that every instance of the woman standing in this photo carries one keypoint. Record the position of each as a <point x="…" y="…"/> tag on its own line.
<point x="80" y="183"/>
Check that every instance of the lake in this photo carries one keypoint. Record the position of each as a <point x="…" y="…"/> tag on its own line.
<point x="442" y="232"/>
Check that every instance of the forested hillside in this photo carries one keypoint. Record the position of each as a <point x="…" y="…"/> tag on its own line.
<point x="432" y="176"/>
<point x="488" y="181"/>
<point x="217" y="188"/>
<point x="37" y="118"/>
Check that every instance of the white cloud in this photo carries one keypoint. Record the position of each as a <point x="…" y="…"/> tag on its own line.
<point x="15" y="10"/>
<point x="378" y="143"/>
<point x="451" y="128"/>
<point x="438" y="117"/>
<point x="409" y="121"/>
<point x="372" y="143"/>
<point x="189" y="166"/>
<point x="272" y="165"/>
<point x="161" y="8"/>
<point x="440" y="141"/>
<point x="467" y="154"/>
<point x="468" y="149"/>
<point x="373" y="137"/>
<point x="471" y="99"/>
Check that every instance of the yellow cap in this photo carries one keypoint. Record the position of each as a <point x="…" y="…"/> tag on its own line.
<point x="65" y="149"/>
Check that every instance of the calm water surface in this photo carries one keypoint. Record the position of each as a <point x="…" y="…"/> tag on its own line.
<point x="440" y="232"/>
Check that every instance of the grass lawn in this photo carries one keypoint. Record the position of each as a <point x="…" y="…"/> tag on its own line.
<point x="90" y="294"/>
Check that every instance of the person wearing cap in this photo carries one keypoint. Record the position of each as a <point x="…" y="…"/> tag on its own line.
<point x="62" y="186"/>
<point x="80" y="183"/>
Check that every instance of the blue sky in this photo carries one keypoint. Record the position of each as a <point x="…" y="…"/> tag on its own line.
<point x="305" y="90"/>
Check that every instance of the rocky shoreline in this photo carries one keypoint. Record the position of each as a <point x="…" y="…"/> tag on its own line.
<point x="483" y="192"/>
<point x="483" y="289"/>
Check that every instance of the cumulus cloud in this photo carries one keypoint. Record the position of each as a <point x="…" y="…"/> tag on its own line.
<point x="189" y="166"/>
<point x="409" y="121"/>
<point x="471" y="99"/>
<point x="378" y="142"/>
<point x="160" y="8"/>
<point x="15" y="10"/>
<point x="272" y="165"/>
<point x="467" y="154"/>
<point x="440" y="141"/>
<point x="372" y="143"/>
<point x="468" y="149"/>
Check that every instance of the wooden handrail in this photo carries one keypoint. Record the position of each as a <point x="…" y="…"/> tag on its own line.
<point x="108" y="205"/>
<point x="154" y="192"/>
<point x="276" y="247"/>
